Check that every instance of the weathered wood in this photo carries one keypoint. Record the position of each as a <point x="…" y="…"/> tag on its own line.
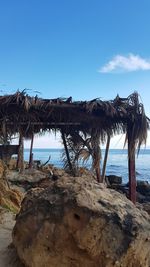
<point x="132" y="181"/>
<point x="97" y="167"/>
<point x="66" y="150"/>
<point x="98" y="174"/>
<point x="20" y="160"/>
<point x="131" y="167"/>
<point x="31" y="153"/>
<point x="44" y="164"/>
<point x="105" y="158"/>
<point x="4" y="131"/>
<point x="96" y="154"/>
<point x="47" y="123"/>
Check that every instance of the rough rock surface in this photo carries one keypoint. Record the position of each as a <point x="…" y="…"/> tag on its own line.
<point x="143" y="187"/>
<point x="76" y="222"/>
<point x="1" y="169"/>
<point x="114" y="179"/>
<point x="31" y="176"/>
<point x="9" y="198"/>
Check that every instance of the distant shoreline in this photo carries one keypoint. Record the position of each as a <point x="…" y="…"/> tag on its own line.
<point x="103" y="149"/>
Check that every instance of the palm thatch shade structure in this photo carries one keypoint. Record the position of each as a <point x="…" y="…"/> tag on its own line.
<point x="21" y="113"/>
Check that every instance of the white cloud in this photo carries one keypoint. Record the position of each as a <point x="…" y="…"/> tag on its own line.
<point x="127" y="63"/>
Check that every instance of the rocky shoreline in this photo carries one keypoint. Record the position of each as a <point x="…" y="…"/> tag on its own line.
<point x="44" y="176"/>
<point x="79" y="222"/>
<point x="79" y="209"/>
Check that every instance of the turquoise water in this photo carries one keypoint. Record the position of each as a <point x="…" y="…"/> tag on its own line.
<point x="117" y="161"/>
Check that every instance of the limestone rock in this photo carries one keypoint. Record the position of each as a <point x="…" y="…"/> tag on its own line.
<point x="12" y="164"/>
<point x="29" y="175"/>
<point x="10" y="198"/>
<point x="77" y="222"/>
<point x="144" y="206"/>
<point x="114" y="179"/>
<point x="1" y="169"/>
<point x="143" y="187"/>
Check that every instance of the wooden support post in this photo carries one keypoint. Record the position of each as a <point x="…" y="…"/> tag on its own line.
<point x="96" y="163"/>
<point x="131" y="168"/>
<point x="67" y="152"/>
<point x="96" y="154"/>
<point x="31" y="154"/>
<point x="98" y="174"/>
<point x="20" y="160"/>
<point x="4" y="132"/>
<point x="105" y="158"/>
<point x="5" y="142"/>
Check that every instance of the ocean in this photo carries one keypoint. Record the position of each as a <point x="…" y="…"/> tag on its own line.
<point x="117" y="161"/>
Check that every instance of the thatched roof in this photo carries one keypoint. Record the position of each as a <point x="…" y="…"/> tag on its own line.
<point x="21" y="112"/>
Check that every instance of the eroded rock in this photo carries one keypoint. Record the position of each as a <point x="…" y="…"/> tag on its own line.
<point x="114" y="179"/>
<point x="9" y="198"/>
<point x="1" y="169"/>
<point x="143" y="187"/>
<point x="77" y="222"/>
<point x="29" y="175"/>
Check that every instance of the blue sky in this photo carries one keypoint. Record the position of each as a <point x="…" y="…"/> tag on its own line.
<point x="82" y="48"/>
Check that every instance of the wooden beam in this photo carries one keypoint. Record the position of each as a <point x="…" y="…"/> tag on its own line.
<point x="98" y="173"/>
<point x="62" y="105"/>
<point x="47" y="123"/>
<point x="96" y="154"/>
<point x="105" y="158"/>
<point x="4" y="132"/>
<point x="67" y="152"/>
<point x="20" y="160"/>
<point x="131" y="168"/>
<point x="31" y="154"/>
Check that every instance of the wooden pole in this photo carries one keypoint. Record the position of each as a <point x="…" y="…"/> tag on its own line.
<point x="20" y="160"/>
<point x="31" y="154"/>
<point x="66" y="150"/>
<point x="96" y="163"/>
<point x="96" y="154"/>
<point x="105" y="158"/>
<point x="4" y="131"/>
<point x="5" y="142"/>
<point x="131" y="168"/>
<point x="98" y="174"/>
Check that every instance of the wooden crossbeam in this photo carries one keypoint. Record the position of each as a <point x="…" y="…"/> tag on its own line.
<point x="46" y="123"/>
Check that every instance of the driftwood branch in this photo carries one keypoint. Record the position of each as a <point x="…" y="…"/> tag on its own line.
<point x="46" y="162"/>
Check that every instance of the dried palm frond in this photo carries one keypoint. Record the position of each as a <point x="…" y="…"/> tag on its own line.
<point x="137" y="124"/>
<point x="120" y="115"/>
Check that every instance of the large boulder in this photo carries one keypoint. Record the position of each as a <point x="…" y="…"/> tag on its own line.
<point x="143" y="187"/>
<point x="29" y="175"/>
<point x="77" y="222"/>
<point x="114" y="179"/>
